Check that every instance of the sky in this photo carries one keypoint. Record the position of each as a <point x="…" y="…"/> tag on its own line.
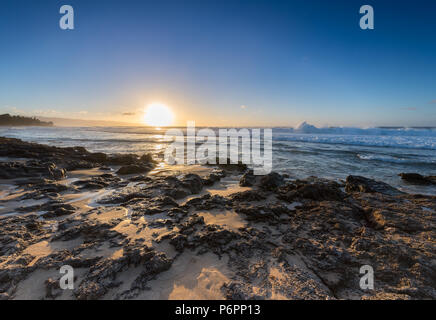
<point x="222" y="63"/>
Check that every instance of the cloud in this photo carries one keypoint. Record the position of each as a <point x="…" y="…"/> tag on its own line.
<point x="12" y="110"/>
<point x="243" y="107"/>
<point x="128" y="113"/>
<point x="433" y="101"/>
<point x="409" y="108"/>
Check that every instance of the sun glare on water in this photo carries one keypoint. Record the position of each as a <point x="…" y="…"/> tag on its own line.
<point x="158" y="115"/>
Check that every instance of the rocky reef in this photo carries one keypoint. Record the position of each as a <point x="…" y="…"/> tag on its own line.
<point x="132" y="232"/>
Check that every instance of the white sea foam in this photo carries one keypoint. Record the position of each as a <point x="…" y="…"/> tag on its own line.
<point x="408" y="132"/>
<point x="376" y="137"/>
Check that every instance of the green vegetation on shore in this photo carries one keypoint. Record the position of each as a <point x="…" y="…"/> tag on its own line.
<point x="8" y="120"/>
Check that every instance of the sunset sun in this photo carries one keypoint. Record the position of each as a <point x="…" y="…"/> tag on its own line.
<point x="158" y="115"/>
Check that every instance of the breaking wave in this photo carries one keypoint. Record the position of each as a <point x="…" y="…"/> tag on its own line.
<point x="414" y="138"/>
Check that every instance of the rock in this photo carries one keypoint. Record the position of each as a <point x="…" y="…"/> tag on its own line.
<point x="248" y="196"/>
<point x="178" y="193"/>
<point x="415" y="178"/>
<point x="207" y="202"/>
<point x="248" y="179"/>
<point x="122" y="159"/>
<point x="192" y="182"/>
<point x="97" y="157"/>
<point x="33" y="168"/>
<point x="271" y="181"/>
<point x="98" y="182"/>
<point x="133" y="169"/>
<point x="362" y="184"/>
<point x="314" y="190"/>
<point x="215" y="237"/>
<point x="146" y="158"/>
<point x="55" y="172"/>
<point x="257" y="213"/>
<point x="211" y="179"/>
<point x="226" y="164"/>
<point x="102" y="275"/>
<point x="57" y="209"/>
<point x="71" y="165"/>
<point x="240" y="291"/>
<point x="179" y="241"/>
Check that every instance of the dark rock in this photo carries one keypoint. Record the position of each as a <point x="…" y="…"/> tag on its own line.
<point x="140" y="178"/>
<point x="271" y="181"/>
<point x="55" y="172"/>
<point x="178" y="193"/>
<point x="57" y="209"/>
<point x="12" y="170"/>
<point x="97" y="182"/>
<point x="248" y="196"/>
<point x="226" y="164"/>
<point x="102" y="275"/>
<point x="98" y="157"/>
<point x="133" y="169"/>
<point x="192" y="182"/>
<point x="260" y="213"/>
<point x="147" y="158"/>
<point x="179" y="241"/>
<point x="362" y="184"/>
<point x="313" y="190"/>
<point x="240" y="291"/>
<point x="207" y="202"/>
<point x="215" y="237"/>
<point x="415" y="178"/>
<point x="122" y="159"/>
<point x="211" y="179"/>
<point x="248" y="179"/>
<point x="71" y="165"/>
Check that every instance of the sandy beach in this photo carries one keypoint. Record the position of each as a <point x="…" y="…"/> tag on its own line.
<point x="134" y="229"/>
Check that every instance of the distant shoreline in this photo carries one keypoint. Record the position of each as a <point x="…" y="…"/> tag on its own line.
<point x="8" y="120"/>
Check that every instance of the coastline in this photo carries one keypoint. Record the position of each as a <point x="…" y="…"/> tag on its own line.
<point x="134" y="231"/>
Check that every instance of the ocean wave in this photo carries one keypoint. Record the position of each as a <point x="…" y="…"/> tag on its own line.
<point x="410" y="142"/>
<point x="306" y="128"/>
<point x="392" y="159"/>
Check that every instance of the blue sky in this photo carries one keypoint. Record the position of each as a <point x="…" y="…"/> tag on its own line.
<point x="285" y="61"/>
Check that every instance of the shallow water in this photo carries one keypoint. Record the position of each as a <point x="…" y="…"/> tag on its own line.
<point x="379" y="153"/>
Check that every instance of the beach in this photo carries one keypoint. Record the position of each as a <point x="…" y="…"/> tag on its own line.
<point x="134" y="228"/>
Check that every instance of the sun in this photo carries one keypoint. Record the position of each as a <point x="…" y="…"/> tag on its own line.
<point x="158" y="115"/>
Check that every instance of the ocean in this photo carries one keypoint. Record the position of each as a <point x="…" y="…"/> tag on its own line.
<point x="334" y="153"/>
